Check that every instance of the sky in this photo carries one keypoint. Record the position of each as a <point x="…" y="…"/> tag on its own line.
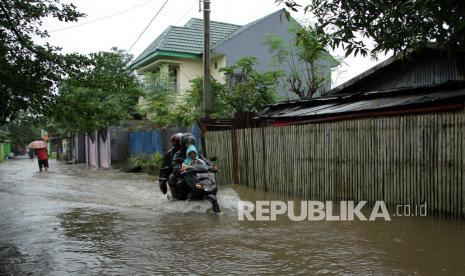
<point x="122" y="30"/>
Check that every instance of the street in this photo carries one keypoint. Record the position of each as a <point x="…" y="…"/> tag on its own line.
<point x="76" y="220"/>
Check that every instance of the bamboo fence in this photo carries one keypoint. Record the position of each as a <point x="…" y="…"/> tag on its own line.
<point x="409" y="159"/>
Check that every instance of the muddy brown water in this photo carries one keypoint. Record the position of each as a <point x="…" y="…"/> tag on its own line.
<point x="76" y="220"/>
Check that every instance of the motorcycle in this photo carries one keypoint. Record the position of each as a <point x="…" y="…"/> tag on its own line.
<point x="199" y="183"/>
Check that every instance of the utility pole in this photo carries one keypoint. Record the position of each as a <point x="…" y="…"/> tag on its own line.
<point x="207" y="97"/>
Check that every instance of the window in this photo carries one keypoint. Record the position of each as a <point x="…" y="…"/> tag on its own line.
<point x="173" y="77"/>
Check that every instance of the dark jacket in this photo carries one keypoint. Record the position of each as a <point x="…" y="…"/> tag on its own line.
<point x="174" y="161"/>
<point x="167" y="166"/>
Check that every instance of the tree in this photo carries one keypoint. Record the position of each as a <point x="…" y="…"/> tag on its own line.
<point x="158" y="102"/>
<point x="4" y="136"/>
<point x="247" y="90"/>
<point x="103" y="94"/>
<point x="29" y="72"/>
<point x="162" y="107"/>
<point x="307" y="59"/>
<point x="392" y="25"/>
<point x="22" y="130"/>
<point x="194" y="100"/>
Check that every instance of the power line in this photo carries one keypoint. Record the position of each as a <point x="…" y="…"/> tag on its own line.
<point x="102" y="18"/>
<point x="189" y="10"/>
<point x="146" y="27"/>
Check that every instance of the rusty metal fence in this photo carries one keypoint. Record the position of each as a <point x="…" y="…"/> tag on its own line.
<point x="402" y="160"/>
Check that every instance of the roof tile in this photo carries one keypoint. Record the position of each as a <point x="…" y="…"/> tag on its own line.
<point x="187" y="39"/>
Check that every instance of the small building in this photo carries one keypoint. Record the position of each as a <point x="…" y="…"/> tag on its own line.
<point x="418" y="82"/>
<point x="177" y="52"/>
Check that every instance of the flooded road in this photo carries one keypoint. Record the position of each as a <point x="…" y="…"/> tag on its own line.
<point x="76" y="220"/>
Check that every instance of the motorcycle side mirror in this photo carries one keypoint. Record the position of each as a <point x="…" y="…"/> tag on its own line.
<point x="214" y="158"/>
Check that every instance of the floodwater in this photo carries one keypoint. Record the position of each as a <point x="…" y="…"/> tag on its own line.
<point x="76" y="220"/>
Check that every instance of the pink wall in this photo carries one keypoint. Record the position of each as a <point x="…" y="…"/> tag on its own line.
<point x="98" y="153"/>
<point x="104" y="150"/>
<point x="90" y="152"/>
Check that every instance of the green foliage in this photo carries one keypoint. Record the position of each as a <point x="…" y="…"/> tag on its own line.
<point x="104" y="93"/>
<point x="307" y="59"/>
<point x="150" y="164"/>
<point x="247" y="90"/>
<point x="279" y="48"/>
<point x="193" y="103"/>
<point x="158" y="99"/>
<point x="392" y="25"/>
<point x="22" y="130"/>
<point x="29" y="71"/>
<point x="4" y="135"/>
<point x="160" y="105"/>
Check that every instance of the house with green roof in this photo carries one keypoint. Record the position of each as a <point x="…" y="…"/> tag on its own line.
<point x="178" y="50"/>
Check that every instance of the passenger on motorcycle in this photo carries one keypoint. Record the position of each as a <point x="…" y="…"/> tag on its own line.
<point x="192" y="157"/>
<point x="181" y="189"/>
<point x="192" y="163"/>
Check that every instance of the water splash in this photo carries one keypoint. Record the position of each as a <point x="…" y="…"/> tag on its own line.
<point x="227" y="199"/>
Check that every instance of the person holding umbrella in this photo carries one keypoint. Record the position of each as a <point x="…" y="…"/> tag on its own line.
<point x="40" y="147"/>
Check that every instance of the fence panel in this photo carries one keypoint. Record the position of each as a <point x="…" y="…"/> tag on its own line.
<point x="6" y="149"/>
<point x="91" y="145"/>
<point x="2" y="155"/>
<point x="146" y="142"/>
<point x="410" y="159"/>
<point x="221" y="147"/>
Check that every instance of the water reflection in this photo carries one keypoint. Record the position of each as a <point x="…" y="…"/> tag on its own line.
<point x="99" y="230"/>
<point x="80" y="221"/>
<point x="11" y="259"/>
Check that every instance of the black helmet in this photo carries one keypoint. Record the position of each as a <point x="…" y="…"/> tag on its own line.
<point x="176" y="139"/>
<point x="187" y="138"/>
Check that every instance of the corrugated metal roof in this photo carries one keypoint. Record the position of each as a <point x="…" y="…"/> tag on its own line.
<point x="427" y="80"/>
<point x="415" y="69"/>
<point x="187" y="39"/>
<point x="365" y="102"/>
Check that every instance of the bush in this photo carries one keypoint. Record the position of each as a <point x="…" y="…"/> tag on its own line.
<point x="150" y="164"/>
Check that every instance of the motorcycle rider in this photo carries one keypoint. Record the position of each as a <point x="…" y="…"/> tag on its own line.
<point x="181" y="189"/>
<point x="167" y="167"/>
<point x="188" y="155"/>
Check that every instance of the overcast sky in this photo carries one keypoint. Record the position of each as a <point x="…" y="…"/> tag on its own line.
<point x="122" y="30"/>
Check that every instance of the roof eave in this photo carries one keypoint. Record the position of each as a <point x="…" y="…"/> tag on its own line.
<point x="159" y="54"/>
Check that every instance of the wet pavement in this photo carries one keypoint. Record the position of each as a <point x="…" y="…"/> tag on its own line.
<point x="76" y="220"/>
